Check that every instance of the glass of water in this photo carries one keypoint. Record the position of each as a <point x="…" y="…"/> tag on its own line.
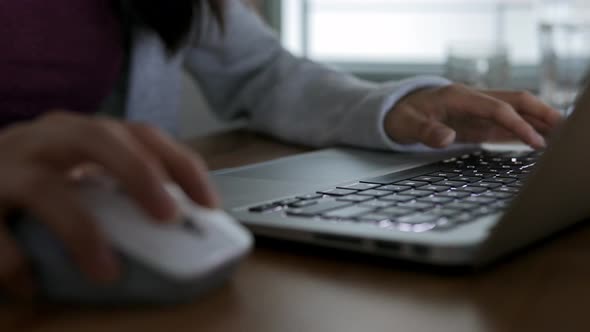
<point x="564" y="32"/>
<point x="478" y="64"/>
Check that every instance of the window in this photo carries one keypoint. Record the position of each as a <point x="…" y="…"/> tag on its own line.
<point x="406" y="36"/>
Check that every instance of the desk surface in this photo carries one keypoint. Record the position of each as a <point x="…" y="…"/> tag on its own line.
<point x="283" y="287"/>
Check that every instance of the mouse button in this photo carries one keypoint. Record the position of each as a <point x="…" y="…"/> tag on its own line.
<point x="168" y="249"/>
<point x="221" y="226"/>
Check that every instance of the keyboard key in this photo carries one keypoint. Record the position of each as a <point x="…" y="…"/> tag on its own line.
<point x="316" y="209"/>
<point x="418" y="193"/>
<point x="311" y="196"/>
<point x="287" y="201"/>
<point x="435" y="188"/>
<point x="454" y="194"/>
<point x="360" y="186"/>
<point x="417" y="206"/>
<point x="264" y="208"/>
<point x="385" y="179"/>
<point x="462" y="206"/>
<point x="483" y="175"/>
<point x="516" y="176"/>
<point x="386" y="224"/>
<point x="418" y="218"/>
<point x="462" y="218"/>
<point x="459" y="171"/>
<point x="519" y="171"/>
<point x="517" y="184"/>
<point x="502" y="180"/>
<point x="435" y="200"/>
<point x="429" y="179"/>
<point x="467" y="179"/>
<point x="498" y="195"/>
<point x="354" y="198"/>
<point x="487" y="185"/>
<point x="338" y="192"/>
<point x="373" y="217"/>
<point x="377" y="204"/>
<point x="447" y="175"/>
<point x="348" y="212"/>
<point x="454" y="184"/>
<point x="421" y="228"/>
<point x="472" y="189"/>
<point x="450" y="161"/>
<point x="411" y="183"/>
<point x="395" y="211"/>
<point x="445" y="224"/>
<point x="397" y="198"/>
<point x="479" y="200"/>
<point x="374" y="193"/>
<point x="445" y="212"/>
<point x="395" y="188"/>
<point x="301" y="204"/>
<point x="512" y="190"/>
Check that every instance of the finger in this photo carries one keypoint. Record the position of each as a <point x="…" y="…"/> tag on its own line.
<point x="473" y="103"/>
<point x="110" y="145"/>
<point x="183" y="166"/>
<point x="56" y="205"/>
<point x="540" y="126"/>
<point x="15" y="276"/>
<point x="526" y="103"/>
<point x="419" y="128"/>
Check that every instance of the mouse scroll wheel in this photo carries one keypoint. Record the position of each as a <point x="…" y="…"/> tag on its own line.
<point x="190" y="225"/>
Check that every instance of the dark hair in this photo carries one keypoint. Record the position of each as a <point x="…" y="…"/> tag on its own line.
<point x="171" y="19"/>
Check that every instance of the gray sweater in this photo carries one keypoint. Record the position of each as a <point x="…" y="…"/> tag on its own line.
<point x="244" y="72"/>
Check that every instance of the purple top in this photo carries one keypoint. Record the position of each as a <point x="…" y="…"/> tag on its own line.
<point x="58" y="54"/>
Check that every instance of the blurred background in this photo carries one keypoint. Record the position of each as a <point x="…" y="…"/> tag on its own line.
<point x="539" y="45"/>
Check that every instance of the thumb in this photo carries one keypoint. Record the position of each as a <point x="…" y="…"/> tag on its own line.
<point x="436" y="135"/>
<point x="407" y="126"/>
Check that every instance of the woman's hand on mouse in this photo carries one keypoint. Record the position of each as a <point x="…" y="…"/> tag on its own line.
<point x="38" y="160"/>
<point x="438" y="117"/>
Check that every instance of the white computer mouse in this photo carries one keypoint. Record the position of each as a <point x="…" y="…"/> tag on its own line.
<point x="162" y="263"/>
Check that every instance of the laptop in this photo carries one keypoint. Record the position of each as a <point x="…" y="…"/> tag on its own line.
<point x="461" y="208"/>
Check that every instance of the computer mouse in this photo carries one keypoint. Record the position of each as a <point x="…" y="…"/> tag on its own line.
<point x="161" y="263"/>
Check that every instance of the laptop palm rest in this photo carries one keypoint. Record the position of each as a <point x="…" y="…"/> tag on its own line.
<point x="309" y="172"/>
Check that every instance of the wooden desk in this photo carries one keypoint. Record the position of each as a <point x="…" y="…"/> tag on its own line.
<point x="287" y="288"/>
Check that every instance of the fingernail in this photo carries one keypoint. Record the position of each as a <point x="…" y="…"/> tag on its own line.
<point x="443" y="136"/>
<point x="539" y="141"/>
<point x="167" y="208"/>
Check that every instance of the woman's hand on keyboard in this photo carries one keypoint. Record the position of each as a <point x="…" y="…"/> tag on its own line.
<point x="438" y="117"/>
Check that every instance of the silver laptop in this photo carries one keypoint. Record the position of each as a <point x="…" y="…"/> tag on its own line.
<point x="459" y="208"/>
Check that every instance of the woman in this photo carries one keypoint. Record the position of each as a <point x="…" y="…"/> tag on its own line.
<point x="125" y="58"/>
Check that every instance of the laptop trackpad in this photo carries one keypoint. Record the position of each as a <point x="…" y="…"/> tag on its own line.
<point x="311" y="171"/>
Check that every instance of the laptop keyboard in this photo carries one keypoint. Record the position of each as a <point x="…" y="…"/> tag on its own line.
<point x="435" y="197"/>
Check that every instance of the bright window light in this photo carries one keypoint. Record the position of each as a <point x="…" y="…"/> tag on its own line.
<point x="406" y="31"/>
